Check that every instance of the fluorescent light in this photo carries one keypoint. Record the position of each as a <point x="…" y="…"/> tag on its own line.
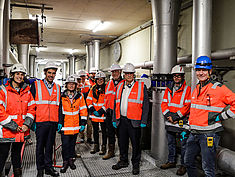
<point x="101" y="26"/>
<point x="72" y="51"/>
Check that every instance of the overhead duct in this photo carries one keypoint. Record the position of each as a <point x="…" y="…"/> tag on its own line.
<point x="165" y="21"/>
<point x="32" y="65"/>
<point x="23" y="55"/>
<point x="71" y="64"/>
<point x="96" y="48"/>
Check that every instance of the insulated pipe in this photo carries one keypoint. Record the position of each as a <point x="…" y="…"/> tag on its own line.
<point x="31" y="65"/>
<point x="165" y="21"/>
<point x="2" y="2"/>
<point x="87" y="58"/>
<point x="6" y="17"/>
<point x="91" y="55"/>
<point x="23" y="55"/>
<point x="72" y="65"/>
<point x="96" y="54"/>
<point x="64" y="69"/>
<point x="201" y="33"/>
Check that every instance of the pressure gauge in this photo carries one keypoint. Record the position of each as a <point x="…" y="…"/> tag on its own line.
<point x="117" y="52"/>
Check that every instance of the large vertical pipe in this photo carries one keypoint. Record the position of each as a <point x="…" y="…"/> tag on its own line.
<point x="91" y="55"/>
<point x="96" y="54"/>
<point x="6" y="17"/>
<point x="165" y="21"/>
<point x="201" y="32"/>
<point x="1" y="32"/>
<point x="23" y="54"/>
<point x="72" y="64"/>
<point x="32" y="65"/>
<point x="87" y="57"/>
<point x="64" y="69"/>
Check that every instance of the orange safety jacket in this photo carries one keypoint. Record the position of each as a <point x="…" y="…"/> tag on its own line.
<point x="207" y="104"/>
<point x="71" y="113"/>
<point x="135" y="100"/>
<point x="178" y="103"/>
<point x="17" y="107"/>
<point x="110" y="94"/>
<point x="86" y="87"/>
<point x="96" y="105"/>
<point x="47" y="108"/>
<point x="92" y="83"/>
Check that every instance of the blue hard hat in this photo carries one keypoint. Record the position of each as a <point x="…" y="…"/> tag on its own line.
<point x="203" y="62"/>
<point x="144" y="76"/>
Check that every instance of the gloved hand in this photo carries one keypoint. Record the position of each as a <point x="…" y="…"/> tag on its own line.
<point x="183" y="135"/>
<point x="114" y="124"/>
<point x="33" y="127"/>
<point x="82" y="128"/>
<point x="59" y="127"/>
<point x="142" y="125"/>
<point x="96" y="114"/>
<point x="218" y="118"/>
<point x="12" y="125"/>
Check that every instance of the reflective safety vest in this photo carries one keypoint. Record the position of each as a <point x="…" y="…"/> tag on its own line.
<point x="208" y="103"/>
<point x="135" y="100"/>
<point x="71" y="113"/>
<point x="178" y="103"/>
<point x="47" y="105"/>
<point x="110" y="94"/>
<point x="92" y="83"/>
<point x="97" y="104"/>
<point x="86" y="87"/>
<point x="17" y="107"/>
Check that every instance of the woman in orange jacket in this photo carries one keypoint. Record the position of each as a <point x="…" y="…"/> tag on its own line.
<point x="95" y="103"/>
<point x="72" y="120"/>
<point x="17" y="111"/>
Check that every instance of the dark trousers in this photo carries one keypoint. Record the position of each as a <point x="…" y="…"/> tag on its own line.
<point x="45" y="136"/>
<point x="15" y="154"/>
<point x="110" y="130"/>
<point x="96" y="132"/>
<point x="197" y="143"/>
<point x="68" y="146"/>
<point x="171" y="137"/>
<point x="126" y="131"/>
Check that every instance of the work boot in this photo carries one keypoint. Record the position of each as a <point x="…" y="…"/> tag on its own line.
<point x="119" y="165"/>
<point x="103" y="150"/>
<point x="40" y="173"/>
<point x="95" y="149"/>
<point x="181" y="171"/>
<point x="110" y="153"/>
<point x="51" y="171"/>
<point x="65" y="167"/>
<point x="71" y="164"/>
<point x="136" y="170"/>
<point x="168" y="165"/>
<point x="89" y="140"/>
<point x="17" y="172"/>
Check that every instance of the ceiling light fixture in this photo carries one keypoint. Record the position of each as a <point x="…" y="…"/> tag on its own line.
<point x="99" y="25"/>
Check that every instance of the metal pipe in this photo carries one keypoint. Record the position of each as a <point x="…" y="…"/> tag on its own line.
<point x="6" y="17"/>
<point x="91" y="55"/>
<point x="72" y="64"/>
<point x="226" y="160"/>
<point x="64" y="69"/>
<point x="1" y="32"/>
<point x="23" y="55"/>
<point x="87" y="57"/>
<point x="201" y="33"/>
<point x="165" y="21"/>
<point x="96" y="54"/>
<point x="32" y="65"/>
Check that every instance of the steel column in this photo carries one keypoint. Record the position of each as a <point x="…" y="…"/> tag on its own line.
<point x="23" y="55"/>
<point x="91" y="55"/>
<point x="72" y="65"/>
<point x="32" y="65"/>
<point x="96" y="54"/>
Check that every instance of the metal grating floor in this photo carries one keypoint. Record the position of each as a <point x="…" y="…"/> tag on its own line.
<point x="92" y="165"/>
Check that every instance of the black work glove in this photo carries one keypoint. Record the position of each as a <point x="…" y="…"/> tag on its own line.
<point x="101" y="111"/>
<point x="11" y="125"/>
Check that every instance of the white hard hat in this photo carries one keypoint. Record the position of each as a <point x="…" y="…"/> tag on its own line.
<point x="93" y="71"/>
<point x="177" y="69"/>
<point x="115" y="67"/>
<point x="50" y="65"/>
<point x="71" y="79"/>
<point x="18" y="67"/>
<point x="76" y="76"/>
<point x="129" y="68"/>
<point x="100" y="74"/>
<point x="82" y="73"/>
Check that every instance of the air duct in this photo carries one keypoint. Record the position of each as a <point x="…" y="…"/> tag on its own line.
<point x="165" y="21"/>
<point x="23" y="55"/>
<point x="32" y="65"/>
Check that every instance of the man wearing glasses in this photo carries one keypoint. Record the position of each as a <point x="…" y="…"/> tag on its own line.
<point x="175" y="108"/>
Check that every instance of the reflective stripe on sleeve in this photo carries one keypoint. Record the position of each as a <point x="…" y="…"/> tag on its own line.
<point x="83" y="107"/>
<point x="230" y="113"/>
<point x="224" y="115"/>
<point x="30" y="115"/>
<point x="166" y="111"/>
<point x="208" y="108"/>
<point x="31" y="103"/>
<point x="6" y="121"/>
<point x="83" y="117"/>
<point x="89" y="98"/>
<point x="179" y="113"/>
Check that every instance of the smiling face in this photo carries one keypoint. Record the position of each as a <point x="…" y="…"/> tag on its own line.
<point x="116" y="74"/>
<point x="129" y="77"/>
<point x="71" y="86"/>
<point x="203" y="74"/>
<point x="100" y="81"/>
<point x="178" y="78"/>
<point x="18" y="77"/>
<point x="50" y="75"/>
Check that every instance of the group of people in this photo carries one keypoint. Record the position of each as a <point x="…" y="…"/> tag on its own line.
<point x="120" y="104"/>
<point x="195" y="118"/>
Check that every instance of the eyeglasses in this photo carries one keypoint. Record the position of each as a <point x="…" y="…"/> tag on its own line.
<point x="178" y="75"/>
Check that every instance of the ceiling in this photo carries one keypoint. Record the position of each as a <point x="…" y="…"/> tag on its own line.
<point x="67" y="25"/>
